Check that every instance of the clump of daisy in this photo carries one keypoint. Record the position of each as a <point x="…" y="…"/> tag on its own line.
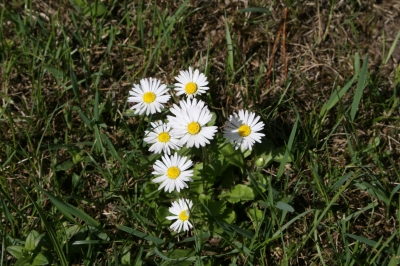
<point x="149" y="96"/>
<point x="191" y="83"/>
<point x="189" y="123"/>
<point x="173" y="172"/>
<point x="241" y="129"/>
<point x="181" y="210"/>
<point x="160" y="137"/>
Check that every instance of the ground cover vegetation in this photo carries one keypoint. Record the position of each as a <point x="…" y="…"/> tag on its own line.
<point x="76" y="176"/>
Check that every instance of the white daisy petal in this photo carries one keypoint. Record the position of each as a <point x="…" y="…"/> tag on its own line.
<point x="191" y="83"/>
<point x="242" y="129"/>
<point x="161" y="138"/>
<point x="181" y="210"/>
<point x="189" y="122"/>
<point x="149" y="96"/>
<point x="170" y="173"/>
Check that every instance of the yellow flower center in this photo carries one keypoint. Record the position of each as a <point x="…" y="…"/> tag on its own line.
<point x="163" y="137"/>
<point x="149" y="97"/>
<point x="244" y="130"/>
<point x="173" y="172"/>
<point x="191" y="88"/>
<point x="193" y="128"/>
<point x="183" y="216"/>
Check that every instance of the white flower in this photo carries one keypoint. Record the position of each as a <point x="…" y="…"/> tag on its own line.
<point x="161" y="138"/>
<point x="149" y="96"/>
<point x="173" y="171"/>
<point x="242" y="129"/>
<point x="189" y="123"/>
<point x="191" y="83"/>
<point x="181" y="209"/>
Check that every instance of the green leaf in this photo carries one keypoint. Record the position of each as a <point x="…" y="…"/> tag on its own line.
<point x="16" y="251"/>
<point x="161" y="214"/>
<point x="40" y="259"/>
<point x="279" y="154"/>
<point x="238" y="193"/>
<point x="96" y="9"/>
<point x="30" y="244"/>
<point x="255" y="215"/>
<point x="23" y="262"/>
<point x="126" y="257"/>
<point x="256" y="9"/>
<point x="233" y="156"/>
<point x="284" y="206"/>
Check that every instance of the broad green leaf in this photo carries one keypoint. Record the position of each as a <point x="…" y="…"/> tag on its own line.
<point x="238" y="193"/>
<point x="161" y="214"/>
<point x="228" y="216"/>
<point x="233" y="156"/>
<point x="30" y="244"/>
<point x="264" y="153"/>
<point x="16" y="251"/>
<point x="23" y="262"/>
<point x="256" y="9"/>
<point x="255" y="215"/>
<point x="284" y="206"/>
<point x="40" y="259"/>
<point x="279" y="153"/>
<point x="126" y="256"/>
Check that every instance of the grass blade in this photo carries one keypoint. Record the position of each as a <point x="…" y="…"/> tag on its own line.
<point x="360" y="88"/>
<point x="49" y="228"/>
<point x="68" y="210"/>
<point x="230" y="46"/>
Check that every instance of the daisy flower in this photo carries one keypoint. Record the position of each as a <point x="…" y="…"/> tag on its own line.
<point x="189" y="123"/>
<point x="181" y="210"/>
<point x="191" y="83"/>
<point x="242" y="129"/>
<point x="149" y="96"/>
<point x="173" y="172"/>
<point x="161" y="138"/>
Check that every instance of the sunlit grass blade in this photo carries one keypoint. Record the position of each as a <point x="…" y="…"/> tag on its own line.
<point x="229" y="45"/>
<point x="391" y="50"/>
<point x="361" y="83"/>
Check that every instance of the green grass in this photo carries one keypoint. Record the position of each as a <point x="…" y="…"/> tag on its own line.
<point x="75" y="174"/>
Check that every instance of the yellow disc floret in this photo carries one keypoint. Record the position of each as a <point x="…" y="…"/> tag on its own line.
<point x="149" y="97"/>
<point x="191" y="88"/>
<point x="173" y="172"/>
<point x="193" y="128"/>
<point x="183" y="216"/>
<point x="163" y="137"/>
<point x="244" y="130"/>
